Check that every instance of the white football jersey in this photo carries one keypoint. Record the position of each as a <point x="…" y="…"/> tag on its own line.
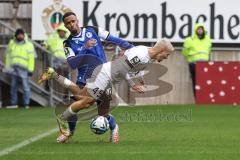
<point x="113" y="72"/>
<point x="138" y="57"/>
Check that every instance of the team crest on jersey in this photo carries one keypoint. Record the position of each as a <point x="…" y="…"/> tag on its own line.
<point x="89" y="34"/>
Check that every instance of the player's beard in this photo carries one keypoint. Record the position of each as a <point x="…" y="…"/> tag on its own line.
<point x="74" y="32"/>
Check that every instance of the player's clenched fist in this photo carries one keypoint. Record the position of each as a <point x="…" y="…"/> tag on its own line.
<point x="91" y="43"/>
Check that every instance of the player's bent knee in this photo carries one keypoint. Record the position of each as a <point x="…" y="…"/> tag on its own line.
<point x="88" y="101"/>
<point x="78" y="97"/>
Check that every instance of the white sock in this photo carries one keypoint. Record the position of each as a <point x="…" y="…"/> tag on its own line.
<point x="63" y="81"/>
<point x="68" y="113"/>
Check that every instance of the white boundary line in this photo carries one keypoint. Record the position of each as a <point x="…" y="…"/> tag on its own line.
<point x="27" y="142"/>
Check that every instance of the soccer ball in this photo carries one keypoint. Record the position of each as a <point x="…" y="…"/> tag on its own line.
<point x="99" y="125"/>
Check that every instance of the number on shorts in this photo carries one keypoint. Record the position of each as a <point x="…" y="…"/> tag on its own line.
<point x="98" y="92"/>
<point x="95" y="90"/>
<point x="109" y="92"/>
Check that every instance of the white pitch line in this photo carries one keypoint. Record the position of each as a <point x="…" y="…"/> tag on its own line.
<point x="26" y="142"/>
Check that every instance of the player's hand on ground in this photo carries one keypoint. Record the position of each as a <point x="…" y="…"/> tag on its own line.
<point x="142" y="82"/>
<point x="139" y="88"/>
<point x="91" y="43"/>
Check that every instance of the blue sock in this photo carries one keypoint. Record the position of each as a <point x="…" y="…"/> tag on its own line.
<point x="72" y="122"/>
<point x="112" y="122"/>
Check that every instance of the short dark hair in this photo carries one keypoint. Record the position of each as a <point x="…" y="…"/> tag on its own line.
<point x="19" y="31"/>
<point x="67" y="14"/>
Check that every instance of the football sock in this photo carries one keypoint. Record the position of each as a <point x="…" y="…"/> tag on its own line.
<point x="63" y="81"/>
<point x="67" y="114"/>
<point x="72" y="122"/>
<point x="112" y="122"/>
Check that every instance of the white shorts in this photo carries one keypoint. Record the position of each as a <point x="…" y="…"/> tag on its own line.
<point x="99" y="84"/>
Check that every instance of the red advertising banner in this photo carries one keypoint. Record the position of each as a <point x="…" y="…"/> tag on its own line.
<point x="218" y="83"/>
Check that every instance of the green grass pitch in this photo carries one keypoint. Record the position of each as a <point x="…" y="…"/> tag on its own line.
<point x="146" y="132"/>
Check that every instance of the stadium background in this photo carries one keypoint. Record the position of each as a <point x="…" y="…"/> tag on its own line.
<point x="14" y="14"/>
<point x="159" y="131"/>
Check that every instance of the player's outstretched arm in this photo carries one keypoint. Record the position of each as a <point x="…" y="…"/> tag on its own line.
<point x="139" y="88"/>
<point x="136" y="87"/>
<point x="106" y="36"/>
<point x="120" y="42"/>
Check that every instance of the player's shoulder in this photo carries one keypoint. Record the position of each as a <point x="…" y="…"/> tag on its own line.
<point x="140" y="47"/>
<point x="92" y="28"/>
<point x="139" y="51"/>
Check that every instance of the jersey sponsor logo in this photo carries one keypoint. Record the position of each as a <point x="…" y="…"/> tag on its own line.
<point x="135" y="60"/>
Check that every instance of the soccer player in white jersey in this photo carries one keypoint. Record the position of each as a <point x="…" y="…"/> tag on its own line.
<point x="134" y="60"/>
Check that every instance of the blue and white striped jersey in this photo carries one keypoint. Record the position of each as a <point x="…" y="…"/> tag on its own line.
<point x="85" y="60"/>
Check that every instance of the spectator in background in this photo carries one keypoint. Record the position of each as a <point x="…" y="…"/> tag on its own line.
<point x="20" y="61"/>
<point x="197" y="48"/>
<point x="57" y="59"/>
<point x="54" y="44"/>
